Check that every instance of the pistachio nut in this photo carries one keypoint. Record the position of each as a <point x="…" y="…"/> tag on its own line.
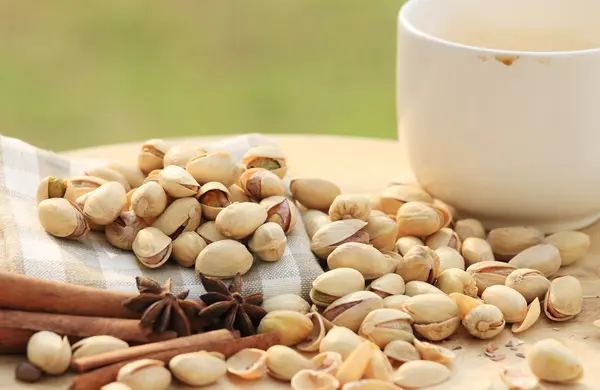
<point x="314" y="380"/>
<point x="434" y="353"/>
<point x="319" y="330"/>
<point x="392" y="260"/>
<point x="208" y="231"/>
<point x="347" y="206"/>
<point x="350" y="310"/>
<point x="395" y="301"/>
<point x="183" y="215"/>
<point x="388" y="284"/>
<point x="406" y="243"/>
<point x="145" y="374"/>
<point x="394" y="196"/>
<point x="291" y="326"/>
<point x="382" y="232"/>
<point x="464" y="303"/>
<point x="131" y="172"/>
<point x="80" y="185"/>
<point x="123" y="230"/>
<point x="456" y="280"/>
<point x="313" y="221"/>
<point x="268" y="242"/>
<point x="421" y="219"/>
<point x="379" y="367"/>
<point x="115" y="386"/>
<point x="552" y="361"/>
<point x="341" y="340"/>
<point x="417" y="287"/>
<point x="382" y="326"/>
<point x="266" y="157"/>
<point x="108" y="174"/>
<point x="543" y="257"/>
<point x="362" y="257"/>
<point x="218" y="166"/>
<point x="489" y="273"/>
<point x="187" y="247"/>
<point x="213" y="197"/>
<point x="62" y="218"/>
<point x="512" y="304"/>
<point x="282" y="211"/>
<point x="400" y="352"/>
<point x="564" y="298"/>
<point x="49" y="352"/>
<point x="335" y="284"/>
<point x="469" y="227"/>
<point x="484" y="321"/>
<point x="261" y="183"/>
<point x="533" y="314"/>
<point x="284" y="362"/>
<point x="530" y="283"/>
<point x="149" y="200"/>
<point x="370" y="384"/>
<point x="355" y="365"/>
<point x="152" y="154"/>
<point x="153" y="175"/>
<point x="475" y="250"/>
<point x="328" y="362"/>
<point x="572" y="245"/>
<point x="435" y="316"/>
<point x="328" y="237"/>
<point x="95" y="345"/>
<point x="224" y="259"/>
<point x="236" y="194"/>
<point x="52" y="187"/>
<point x="249" y="363"/>
<point x="449" y="259"/>
<point x="179" y="155"/>
<point x="444" y="237"/>
<point x="152" y="247"/>
<point x="419" y="263"/>
<point x="286" y="302"/>
<point x="316" y="194"/>
<point x="507" y="242"/>
<point x="177" y="182"/>
<point x="128" y="195"/>
<point x="421" y="373"/>
<point x="103" y="205"/>
<point x="240" y="220"/>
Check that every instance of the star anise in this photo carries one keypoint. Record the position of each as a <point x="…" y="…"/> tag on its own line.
<point x="162" y="309"/>
<point x="228" y="309"/>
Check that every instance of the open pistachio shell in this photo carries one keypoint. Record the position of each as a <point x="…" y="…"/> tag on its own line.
<point x="484" y="321"/>
<point x="328" y="237"/>
<point x="419" y="263"/>
<point x="104" y="204"/>
<point x="347" y="206"/>
<point x="218" y="166"/>
<point x="240" y="220"/>
<point x="434" y="353"/>
<point x="62" y="218"/>
<point x="213" y="198"/>
<point x="151" y="155"/>
<point x="80" y="185"/>
<point x="475" y="249"/>
<point x="571" y="245"/>
<point x="149" y="200"/>
<point x="208" y="231"/>
<point x="313" y="341"/>
<point x="282" y="211"/>
<point x="552" y="361"/>
<point x="314" y="380"/>
<point x="388" y="284"/>
<point x="224" y="259"/>
<point x="350" y="310"/>
<point x="317" y="194"/>
<point x="178" y="182"/>
<point x="51" y="187"/>
<point x="123" y="230"/>
<point x="400" y="351"/>
<point x="444" y="237"/>
<point x="394" y="196"/>
<point x="261" y="183"/>
<point x="508" y="241"/>
<point x="533" y="313"/>
<point x="417" y="287"/>
<point x="435" y="316"/>
<point x="489" y="273"/>
<point x="421" y="219"/>
<point x="381" y="326"/>
<point x="108" y="174"/>
<point x="456" y="280"/>
<point x="469" y="227"/>
<point x="268" y="242"/>
<point x="249" y="363"/>
<point x="564" y="298"/>
<point x="183" y="215"/>
<point x="542" y="257"/>
<point x="179" y="155"/>
<point x="314" y="220"/>
<point x="528" y="282"/>
<point x="266" y="157"/>
<point x="131" y="172"/>
<point x="152" y="247"/>
<point x="362" y="257"/>
<point x="187" y="247"/>
<point x="335" y="284"/>
<point x="382" y="232"/>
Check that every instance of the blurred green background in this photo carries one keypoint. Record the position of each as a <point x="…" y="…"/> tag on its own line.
<point x="80" y="73"/>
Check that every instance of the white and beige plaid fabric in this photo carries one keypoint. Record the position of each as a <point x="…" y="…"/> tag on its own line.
<point x="27" y="249"/>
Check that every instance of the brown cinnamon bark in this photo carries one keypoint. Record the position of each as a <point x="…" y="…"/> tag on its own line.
<point x="32" y="294"/>
<point x="94" y="380"/>
<point x="69" y="325"/>
<point x="91" y="362"/>
<point x="14" y="340"/>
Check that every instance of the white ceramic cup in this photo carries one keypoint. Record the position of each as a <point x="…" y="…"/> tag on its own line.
<point x="498" y="105"/>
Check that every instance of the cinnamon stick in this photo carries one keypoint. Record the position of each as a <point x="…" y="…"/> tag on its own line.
<point x="94" y="380"/>
<point x="69" y="325"/>
<point x="14" y="340"/>
<point x="32" y="294"/>
<point x="91" y="362"/>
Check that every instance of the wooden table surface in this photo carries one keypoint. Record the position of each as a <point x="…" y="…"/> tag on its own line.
<point x="367" y="165"/>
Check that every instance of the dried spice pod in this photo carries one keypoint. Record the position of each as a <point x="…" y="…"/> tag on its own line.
<point x="421" y="219"/>
<point x="152" y="154"/>
<point x="145" y="374"/>
<point x="330" y="236"/>
<point x="266" y="157"/>
<point x="381" y="326"/>
<point x="240" y="220"/>
<point x="314" y="220"/>
<point x="179" y="155"/>
<point x="315" y="194"/>
<point x="149" y="200"/>
<point x="484" y="321"/>
<point x="152" y="247"/>
<point x="508" y="241"/>
<point x="187" y="247"/>
<point x="335" y="284"/>
<point x="469" y="227"/>
<point x="282" y="211"/>
<point x="435" y="316"/>
<point x="103" y="205"/>
<point x="224" y="259"/>
<point x="268" y="242"/>
<point x="123" y="230"/>
<point x="475" y="249"/>
<point x="341" y="340"/>
<point x="347" y="206"/>
<point x="394" y="196"/>
<point x="419" y="263"/>
<point x="131" y="172"/>
<point x="213" y="198"/>
<point x="406" y="243"/>
<point x="361" y="257"/>
<point x="456" y="280"/>
<point x="382" y="232"/>
<point x="208" y="231"/>
<point x="218" y="166"/>
<point x="350" y="310"/>
<point x="236" y="194"/>
<point x="400" y="351"/>
<point x="62" y="218"/>
<point x="444" y="237"/>
<point x="417" y="287"/>
<point x="489" y="273"/>
<point x="80" y="185"/>
<point x="177" y="182"/>
<point x="543" y="257"/>
<point x="572" y="245"/>
<point x="387" y="285"/>
<point x="108" y="174"/>
<point x="49" y="352"/>
<point x="261" y="183"/>
<point x="183" y="215"/>
<point x="530" y="283"/>
<point x="564" y="298"/>
<point x="450" y="258"/>
<point x="512" y="304"/>
<point x="552" y="361"/>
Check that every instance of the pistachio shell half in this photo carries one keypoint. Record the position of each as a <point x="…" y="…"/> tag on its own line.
<point x="224" y="259"/>
<point x="218" y="166"/>
<point x="281" y="211"/>
<point x="95" y="345"/>
<point x="313" y="221"/>
<point x="335" y="284"/>
<point x="434" y="353"/>
<point x="314" y="380"/>
<point x="328" y="362"/>
<point x="400" y="351"/>
<point x="362" y="257"/>
<point x="354" y="366"/>
<point x="249" y="363"/>
<point x="62" y="218"/>
<point x="319" y="330"/>
<point x="152" y="247"/>
<point x="543" y="257"/>
<point x="328" y="237"/>
<point x="284" y="362"/>
<point x="240" y="220"/>
<point x="533" y="313"/>
<point x="552" y="361"/>
<point x="350" y="310"/>
<point x="564" y="298"/>
<point x="508" y="241"/>
<point x="465" y="303"/>
<point x="261" y="183"/>
<point x="571" y="245"/>
<point x="317" y="194"/>
<point x="379" y="367"/>
<point x="388" y="284"/>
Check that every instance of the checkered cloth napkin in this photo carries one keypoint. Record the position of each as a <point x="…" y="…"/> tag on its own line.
<point x="27" y="249"/>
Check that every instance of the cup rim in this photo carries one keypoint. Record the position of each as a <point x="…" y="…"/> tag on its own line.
<point x="411" y="28"/>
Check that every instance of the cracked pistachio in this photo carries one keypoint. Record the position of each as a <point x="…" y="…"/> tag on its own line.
<point x="394" y="196"/>
<point x="149" y="200"/>
<point x="469" y="227"/>
<point x="382" y="232"/>
<point x="395" y="301"/>
<point x="178" y="155"/>
<point x="542" y="257"/>
<point x="421" y="373"/>
<point x="512" y="304"/>
<point x="444" y="237"/>
<point x="434" y="353"/>
<point x="49" y="352"/>
<point x="564" y="298"/>
<point x="464" y="303"/>
<point x="62" y="218"/>
<point x="417" y="287"/>
<point x="218" y="166"/>
<point x="400" y="351"/>
<point x="267" y="157"/>
<point x="435" y="316"/>
<point x="183" y="215"/>
<point x="347" y="206"/>
<point x="284" y="362"/>
<point x="530" y="283"/>
<point x="108" y="174"/>
<point x="152" y="247"/>
<point x="52" y="187"/>
<point x="177" y="182"/>
<point x="282" y="211"/>
<point x="419" y="263"/>
<point x="572" y="245"/>
<point x="507" y="242"/>
<point x="240" y="220"/>
<point x="475" y="250"/>
<point x="406" y="243"/>
<point x="484" y="321"/>
<point x="95" y="345"/>
<point x="341" y="340"/>
<point x="329" y="236"/>
<point x="313" y="341"/>
<point x="153" y="176"/>
<point x="261" y="183"/>
<point x="350" y="310"/>
<point x="236" y="194"/>
<point x="381" y="326"/>
<point x="208" y="231"/>
<point x="533" y="314"/>
<point x="224" y="259"/>
<point x="362" y="257"/>
<point x="552" y="361"/>
<point x="456" y="280"/>
<point x="291" y="326"/>
<point x="80" y="185"/>
<point x="388" y="284"/>
<point x="286" y="302"/>
<point x="103" y="205"/>
<point x="489" y="273"/>
<point x="355" y="365"/>
<point x="249" y="363"/>
<point x="123" y="230"/>
<point x="131" y="172"/>
<point x="152" y="154"/>
<point x="314" y="220"/>
<point x="145" y="374"/>
<point x="268" y="242"/>
<point x="335" y="284"/>
<point x="314" y="380"/>
<point x="315" y="194"/>
<point x="421" y="219"/>
<point x="187" y="247"/>
<point x="449" y="259"/>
